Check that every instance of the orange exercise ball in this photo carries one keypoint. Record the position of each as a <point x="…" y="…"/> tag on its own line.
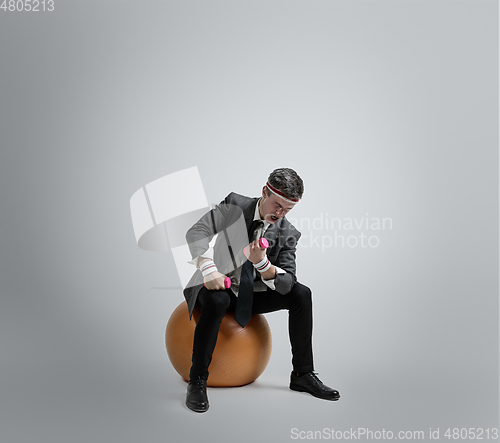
<point x="240" y="355"/>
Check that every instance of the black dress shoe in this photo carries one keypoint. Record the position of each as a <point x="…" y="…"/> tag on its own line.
<point x="196" y="397"/>
<point x="311" y="384"/>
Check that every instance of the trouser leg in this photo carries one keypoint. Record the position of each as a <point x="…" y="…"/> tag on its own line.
<point x="298" y="302"/>
<point x="213" y="306"/>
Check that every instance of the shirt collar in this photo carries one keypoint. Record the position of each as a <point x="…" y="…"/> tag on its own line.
<point x="256" y="215"/>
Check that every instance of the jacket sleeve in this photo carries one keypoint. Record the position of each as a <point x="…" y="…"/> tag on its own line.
<point x="286" y="260"/>
<point x="198" y="237"/>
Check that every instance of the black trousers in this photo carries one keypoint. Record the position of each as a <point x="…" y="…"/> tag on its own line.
<point x="214" y="305"/>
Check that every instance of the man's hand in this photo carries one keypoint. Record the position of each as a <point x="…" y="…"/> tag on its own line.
<point x="214" y="281"/>
<point x="254" y="252"/>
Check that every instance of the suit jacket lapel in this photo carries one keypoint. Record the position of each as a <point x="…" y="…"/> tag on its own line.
<point x="249" y="212"/>
<point x="271" y="234"/>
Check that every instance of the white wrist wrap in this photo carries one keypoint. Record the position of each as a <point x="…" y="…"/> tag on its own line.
<point x="208" y="267"/>
<point x="263" y="266"/>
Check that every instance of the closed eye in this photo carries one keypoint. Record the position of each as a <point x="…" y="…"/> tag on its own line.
<point x="278" y="206"/>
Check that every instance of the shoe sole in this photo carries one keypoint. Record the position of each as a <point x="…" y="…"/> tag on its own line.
<point x="298" y="389"/>
<point x="195" y="409"/>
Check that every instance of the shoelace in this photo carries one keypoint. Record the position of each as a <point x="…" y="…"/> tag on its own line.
<point x="198" y="382"/>
<point x="314" y="375"/>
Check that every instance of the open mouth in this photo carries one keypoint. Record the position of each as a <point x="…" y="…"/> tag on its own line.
<point x="274" y="218"/>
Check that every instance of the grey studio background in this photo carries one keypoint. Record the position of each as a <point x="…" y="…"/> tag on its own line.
<point x="388" y="110"/>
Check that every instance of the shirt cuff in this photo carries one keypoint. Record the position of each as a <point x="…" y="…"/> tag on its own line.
<point x="209" y="253"/>
<point x="270" y="283"/>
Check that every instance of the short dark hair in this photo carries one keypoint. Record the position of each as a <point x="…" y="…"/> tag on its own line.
<point x="288" y="182"/>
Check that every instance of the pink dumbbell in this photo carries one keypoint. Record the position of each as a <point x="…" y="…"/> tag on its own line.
<point x="227" y="283"/>
<point x="263" y="243"/>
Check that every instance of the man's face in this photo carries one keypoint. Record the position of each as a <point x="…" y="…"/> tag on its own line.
<point x="273" y="208"/>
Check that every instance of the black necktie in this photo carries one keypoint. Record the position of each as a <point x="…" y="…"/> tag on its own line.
<point x="245" y="295"/>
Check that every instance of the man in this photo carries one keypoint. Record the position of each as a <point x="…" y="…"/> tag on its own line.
<point x="263" y="279"/>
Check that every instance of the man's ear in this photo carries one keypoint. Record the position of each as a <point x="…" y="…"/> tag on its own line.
<point x="264" y="192"/>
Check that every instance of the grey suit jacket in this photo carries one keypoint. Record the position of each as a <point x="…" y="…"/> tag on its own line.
<point x="231" y="219"/>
